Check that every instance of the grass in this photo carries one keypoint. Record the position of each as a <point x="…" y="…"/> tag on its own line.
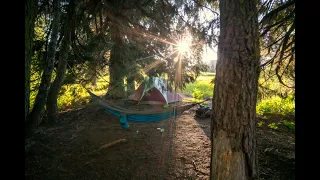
<point x="74" y="95"/>
<point x="202" y="88"/>
<point x="211" y="74"/>
<point x="276" y="105"/>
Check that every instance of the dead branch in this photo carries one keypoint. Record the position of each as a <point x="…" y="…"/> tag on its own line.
<point x="110" y="144"/>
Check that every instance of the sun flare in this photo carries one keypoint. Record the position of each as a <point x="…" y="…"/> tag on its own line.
<point x="183" y="45"/>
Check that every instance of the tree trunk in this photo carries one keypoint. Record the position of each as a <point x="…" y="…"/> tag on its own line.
<point x="30" y="17"/>
<point x="116" y="67"/>
<point x="130" y="86"/>
<point x="234" y="154"/>
<point x="52" y="107"/>
<point x="35" y="116"/>
<point x="92" y="73"/>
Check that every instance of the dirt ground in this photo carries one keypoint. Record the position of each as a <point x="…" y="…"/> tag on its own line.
<point x="75" y="149"/>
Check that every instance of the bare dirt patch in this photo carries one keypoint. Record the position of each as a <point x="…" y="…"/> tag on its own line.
<point x="76" y="149"/>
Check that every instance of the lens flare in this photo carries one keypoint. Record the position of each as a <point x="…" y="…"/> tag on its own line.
<point x="183" y="47"/>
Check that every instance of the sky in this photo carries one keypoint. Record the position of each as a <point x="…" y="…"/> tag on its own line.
<point x="209" y="55"/>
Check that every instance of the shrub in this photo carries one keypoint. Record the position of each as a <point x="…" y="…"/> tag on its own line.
<point x="276" y="105"/>
<point x="197" y="94"/>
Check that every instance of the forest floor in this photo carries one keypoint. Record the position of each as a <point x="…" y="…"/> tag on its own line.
<point x="76" y="148"/>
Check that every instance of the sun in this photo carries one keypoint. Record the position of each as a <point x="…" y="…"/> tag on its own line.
<point x="183" y="47"/>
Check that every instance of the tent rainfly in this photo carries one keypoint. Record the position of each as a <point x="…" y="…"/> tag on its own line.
<point x="154" y="90"/>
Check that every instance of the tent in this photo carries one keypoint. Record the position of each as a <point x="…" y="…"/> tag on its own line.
<point x="154" y="90"/>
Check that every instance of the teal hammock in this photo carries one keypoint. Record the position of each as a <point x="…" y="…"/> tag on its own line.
<point x="139" y="116"/>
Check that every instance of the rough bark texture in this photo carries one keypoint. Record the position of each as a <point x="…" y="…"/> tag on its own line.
<point x="235" y="93"/>
<point x="35" y="116"/>
<point x="116" y="67"/>
<point x="52" y="107"/>
<point x="30" y="17"/>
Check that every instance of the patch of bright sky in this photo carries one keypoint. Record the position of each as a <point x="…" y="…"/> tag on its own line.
<point x="205" y="16"/>
<point x="208" y="53"/>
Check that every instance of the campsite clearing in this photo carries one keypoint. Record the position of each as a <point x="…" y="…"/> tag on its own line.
<point x="79" y="148"/>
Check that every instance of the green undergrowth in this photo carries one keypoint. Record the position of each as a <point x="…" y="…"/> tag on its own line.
<point x="202" y="88"/>
<point x="289" y="125"/>
<point x="276" y="105"/>
<point x="73" y="95"/>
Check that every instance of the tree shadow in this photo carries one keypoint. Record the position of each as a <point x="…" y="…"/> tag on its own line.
<point x="205" y="124"/>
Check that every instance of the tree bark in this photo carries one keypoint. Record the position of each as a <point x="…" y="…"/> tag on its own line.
<point x="52" y="107"/>
<point x="234" y="154"/>
<point x="92" y="73"/>
<point x="35" y="116"/>
<point x="116" y="67"/>
<point x="130" y="86"/>
<point x="30" y="17"/>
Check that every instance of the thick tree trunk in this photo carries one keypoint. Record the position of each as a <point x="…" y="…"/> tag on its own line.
<point x="30" y="17"/>
<point x="234" y="154"/>
<point x="35" y="116"/>
<point x="116" y="67"/>
<point x="52" y="107"/>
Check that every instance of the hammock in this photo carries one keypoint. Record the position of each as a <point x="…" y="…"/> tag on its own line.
<point x="149" y="115"/>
